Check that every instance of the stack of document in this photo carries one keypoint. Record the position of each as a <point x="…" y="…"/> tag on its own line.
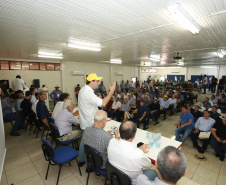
<point x="204" y="135"/>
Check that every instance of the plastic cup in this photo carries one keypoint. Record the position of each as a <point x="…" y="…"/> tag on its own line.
<point x="151" y="143"/>
<point x="148" y="135"/>
<point x="159" y="135"/>
<point x="158" y="144"/>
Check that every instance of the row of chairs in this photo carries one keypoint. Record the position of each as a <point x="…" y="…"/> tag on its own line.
<point x="65" y="154"/>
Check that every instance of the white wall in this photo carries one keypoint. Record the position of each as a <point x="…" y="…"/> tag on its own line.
<point x="199" y="71"/>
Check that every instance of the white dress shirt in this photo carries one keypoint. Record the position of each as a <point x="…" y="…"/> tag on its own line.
<point x="116" y="105"/>
<point x="125" y="156"/>
<point x="218" y="110"/>
<point x="18" y="84"/>
<point x="33" y="98"/>
<point x="88" y="104"/>
<point x="57" y="108"/>
<point x="204" y="124"/>
<point x="144" y="180"/>
<point x="33" y="107"/>
<point x="64" y="121"/>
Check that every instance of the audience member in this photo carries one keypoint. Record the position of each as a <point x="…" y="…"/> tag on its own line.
<point x="125" y="156"/>
<point x="59" y="105"/>
<point x="113" y="110"/>
<point x="55" y="95"/>
<point x="96" y="137"/>
<point x="196" y="111"/>
<point x="205" y="81"/>
<point x="185" y="124"/>
<point x="34" y="105"/>
<point x="206" y="103"/>
<point x="142" y="115"/>
<point x="20" y="99"/>
<point x="213" y="100"/>
<point x="164" y="105"/>
<point x="218" y="141"/>
<point x="64" y="121"/>
<point x="33" y="97"/>
<point x="77" y="89"/>
<point x="131" y="111"/>
<point x="10" y="113"/>
<point x="203" y="124"/>
<point x="214" y="114"/>
<point x="171" y="165"/>
<point x="18" y="84"/>
<point x="122" y="85"/>
<point x="124" y="108"/>
<point x="4" y="88"/>
<point x="154" y="109"/>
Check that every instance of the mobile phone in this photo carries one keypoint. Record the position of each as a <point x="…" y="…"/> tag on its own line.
<point x="139" y="144"/>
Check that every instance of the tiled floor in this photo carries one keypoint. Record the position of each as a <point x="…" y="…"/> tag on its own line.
<point x="25" y="163"/>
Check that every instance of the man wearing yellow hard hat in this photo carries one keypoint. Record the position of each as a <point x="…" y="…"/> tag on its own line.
<point x="88" y="104"/>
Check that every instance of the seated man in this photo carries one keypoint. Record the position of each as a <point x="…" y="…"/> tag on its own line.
<point x="130" y="99"/>
<point x="125" y="156"/>
<point x="172" y="104"/>
<point x="222" y="105"/>
<point x="214" y="114"/>
<point x="41" y="109"/>
<point x="185" y="124"/>
<point x="171" y="165"/>
<point x="114" y="108"/>
<point x="34" y="105"/>
<point x="132" y="111"/>
<point x="26" y="107"/>
<point x="218" y="141"/>
<point x="64" y="121"/>
<point x="164" y="105"/>
<point x="108" y="105"/>
<point x="196" y="111"/>
<point x="154" y="110"/>
<point x="96" y="137"/>
<point x="203" y="124"/>
<point x="122" y="98"/>
<point x="206" y="103"/>
<point x="124" y="108"/>
<point x="218" y="110"/>
<point x="213" y="100"/>
<point x="146" y="101"/>
<point x="10" y="113"/>
<point x="59" y="105"/>
<point x="142" y="115"/>
<point x="20" y="99"/>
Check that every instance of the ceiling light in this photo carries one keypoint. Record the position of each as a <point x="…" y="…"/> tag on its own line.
<point x="116" y="61"/>
<point x="173" y="67"/>
<point x="184" y="18"/>
<point x="84" y="45"/>
<point x="220" y="53"/>
<point x="208" y="67"/>
<point x="155" y="57"/>
<point x="50" y="56"/>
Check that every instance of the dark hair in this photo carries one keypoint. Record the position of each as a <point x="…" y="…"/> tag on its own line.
<point x="18" y="76"/>
<point x="185" y="106"/>
<point x="171" y="164"/>
<point x="127" y="131"/>
<point x="28" y="93"/>
<point x="88" y="82"/>
<point x="32" y="89"/>
<point x="14" y="96"/>
<point x="18" y="92"/>
<point x="10" y="90"/>
<point x="64" y="96"/>
<point x="214" y="107"/>
<point x="78" y="85"/>
<point x="206" y="111"/>
<point x="36" y="94"/>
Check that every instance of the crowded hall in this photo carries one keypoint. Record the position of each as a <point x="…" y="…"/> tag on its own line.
<point x="113" y="92"/>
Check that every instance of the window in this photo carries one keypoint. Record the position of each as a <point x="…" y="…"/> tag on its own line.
<point x="42" y="66"/>
<point x="34" y="66"/>
<point x="50" y="67"/>
<point x="15" y="65"/>
<point x="57" y="67"/>
<point x="4" y="65"/>
<point x="25" y="66"/>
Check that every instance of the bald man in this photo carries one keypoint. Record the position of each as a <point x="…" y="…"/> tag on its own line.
<point x="96" y="137"/>
<point x="125" y="156"/>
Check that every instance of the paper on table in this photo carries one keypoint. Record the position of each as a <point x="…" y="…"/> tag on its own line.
<point x="204" y="135"/>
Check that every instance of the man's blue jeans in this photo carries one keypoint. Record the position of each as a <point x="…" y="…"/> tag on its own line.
<point x="151" y="174"/>
<point x="81" y="152"/>
<point x="204" y="87"/>
<point x="185" y="131"/>
<point x="219" y="147"/>
<point x="19" y="120"/>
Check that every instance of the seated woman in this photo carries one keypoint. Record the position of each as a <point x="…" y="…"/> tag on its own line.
<point x="131" y="111"/>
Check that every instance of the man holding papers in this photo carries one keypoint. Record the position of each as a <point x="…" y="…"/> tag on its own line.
<point x="203" y="124"/>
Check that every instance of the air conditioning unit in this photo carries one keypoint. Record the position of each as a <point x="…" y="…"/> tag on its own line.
<point x="78" y="73"/>
<point x="119" y="73"/>
<point x="176" y="71"/>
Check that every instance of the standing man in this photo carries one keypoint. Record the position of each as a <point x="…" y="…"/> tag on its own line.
<point x="55" y="95"/>
<point x="33" y="97"/>
<point x="88" y="104"/>
<point x="214" y="84"/>
<point x="122" y="85"/>
<point x="204" y="84"/>
<point x="77" y="89"/>
<point x="210" y="83"/>
<point x="18" y="84"/>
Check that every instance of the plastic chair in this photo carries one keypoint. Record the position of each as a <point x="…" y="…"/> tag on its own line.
<point x="116" y="176"/>
<point x="59" y="156"/>
<point x="94" y="161"/>
<point x="56" y="134"/>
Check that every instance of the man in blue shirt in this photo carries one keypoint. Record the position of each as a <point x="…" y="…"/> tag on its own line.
<point x="203" y="124"/>
<point x="42" y="111"/>
<point x="185" y="124"/>
<point x="142" y="115"/>
<point x="124" y="108"/>
<point x="55" y="95"/>
<point x="164" y="105"/>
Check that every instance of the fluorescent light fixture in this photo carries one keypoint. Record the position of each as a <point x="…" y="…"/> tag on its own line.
<point x="220" y="53"/>
<point x="174" y="67"/>
<point x="115" y="61"/>
<point x="184" y="18"/>
<point x="209" y="67"/>
<point x="84" y="45"/>
<point x="155" y="57"/>
<point x="180" y="63"/>
<point x="50" y="55"/>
